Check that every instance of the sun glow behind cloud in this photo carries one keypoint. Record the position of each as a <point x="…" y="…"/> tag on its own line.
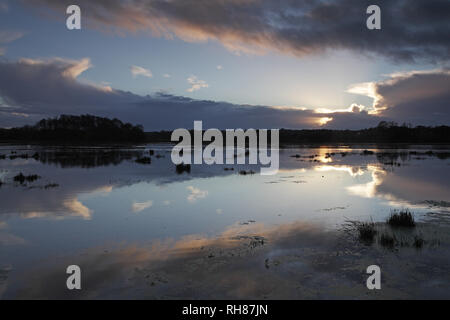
<point x="324" y="120"/>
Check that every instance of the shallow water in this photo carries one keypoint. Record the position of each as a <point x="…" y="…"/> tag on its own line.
<point x="118" y="219"/>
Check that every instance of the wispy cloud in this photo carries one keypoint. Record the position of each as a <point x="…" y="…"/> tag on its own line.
<point x="196" y="84"/>
<point x="7" y="36"/>
<point x="140" y="71"/>
<point x="141" y="206"/>
<point x="196" y="194"/>
<point x="219" y="67"/>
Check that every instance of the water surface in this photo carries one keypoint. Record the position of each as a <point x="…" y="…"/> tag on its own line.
<point x="129" y="225"/>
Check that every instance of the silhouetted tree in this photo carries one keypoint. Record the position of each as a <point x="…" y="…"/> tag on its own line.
<point x="85" y="128"/>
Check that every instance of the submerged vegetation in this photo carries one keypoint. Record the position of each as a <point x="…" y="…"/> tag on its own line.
<point x="70" y="157"/>
<point x="144" y="160"/>
<point x="244" y="173"/>
<point x="21" y="178"/>
<point x="180" y="168"/>
<point x="51" y="186"/>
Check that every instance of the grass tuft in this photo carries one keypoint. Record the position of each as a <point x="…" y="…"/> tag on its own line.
<point x="387" y="241"/>
<point x="366" y="232"/>
<point x="418" y="242"/>
<point x="403" y="218"/>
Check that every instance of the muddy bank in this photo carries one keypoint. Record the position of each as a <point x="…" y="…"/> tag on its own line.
<point x="251" y="261"/>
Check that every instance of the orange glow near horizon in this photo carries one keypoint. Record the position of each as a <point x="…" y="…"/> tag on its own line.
<point x="323" y="121"/>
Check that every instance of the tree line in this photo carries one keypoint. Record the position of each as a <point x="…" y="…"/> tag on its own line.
<point x="91" y="129"/>
<point x="83" y="128"/>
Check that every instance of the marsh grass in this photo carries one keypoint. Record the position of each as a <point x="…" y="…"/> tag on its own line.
<point x="367" y="232"/>
<point x="387" y="235"/>
<point x="418" y="242"/>
<point x="403" y="218"/>
<point x="387" y="241"/>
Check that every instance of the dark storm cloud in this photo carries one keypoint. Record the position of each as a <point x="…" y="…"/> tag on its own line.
<point x="33" y="89"/>
<point x="411" y="29"/>
<point x="415" y="97"/>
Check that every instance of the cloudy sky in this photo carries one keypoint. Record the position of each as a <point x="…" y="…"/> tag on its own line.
<point x="230" y="63"/>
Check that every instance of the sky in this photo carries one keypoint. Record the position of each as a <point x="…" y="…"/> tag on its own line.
<point x="229" y="63"/>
